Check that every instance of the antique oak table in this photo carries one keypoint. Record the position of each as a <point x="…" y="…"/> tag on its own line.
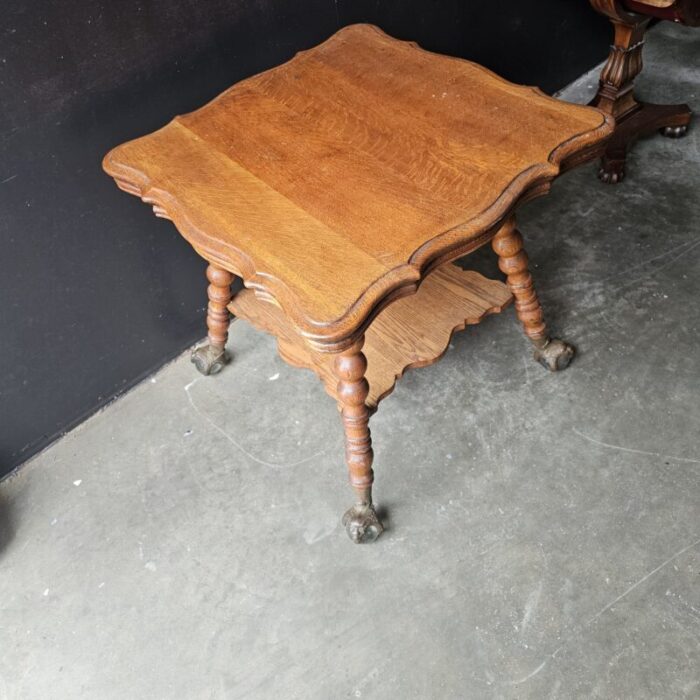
<point x="340" y="187"/>
<point x="616" y="96"/>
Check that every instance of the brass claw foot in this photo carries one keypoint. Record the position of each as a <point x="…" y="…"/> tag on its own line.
<point x="209" y="359"/>
<point x="674" y="132"/>
<point x="555" y="355"/>
<point x="362" y="524"/>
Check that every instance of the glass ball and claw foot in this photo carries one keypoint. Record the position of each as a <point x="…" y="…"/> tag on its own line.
<point x="362" y="523"/>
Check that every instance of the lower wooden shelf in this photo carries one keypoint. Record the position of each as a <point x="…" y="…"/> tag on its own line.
<point x="414" y="331"/>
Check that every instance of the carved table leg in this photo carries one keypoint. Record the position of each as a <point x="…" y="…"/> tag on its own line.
<point x="552" y="353"/>
<point x="210" y="359"/>
<point x="616" y="93"/>
<point x="361" y="521"/>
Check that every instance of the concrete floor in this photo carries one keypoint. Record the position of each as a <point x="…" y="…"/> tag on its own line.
<point x="544" y="533"/>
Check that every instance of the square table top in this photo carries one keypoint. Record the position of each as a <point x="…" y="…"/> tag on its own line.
<point x="337" y="181"/>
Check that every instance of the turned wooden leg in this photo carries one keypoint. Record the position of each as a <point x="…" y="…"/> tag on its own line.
<point x="210" y="358"/>
<point x="552" y="353"/>
<point x="361" y="521"/>
<point x="616" y="93"/>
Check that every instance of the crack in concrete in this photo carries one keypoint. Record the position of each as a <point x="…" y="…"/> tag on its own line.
<point x="633" y="450"/>
<point x="236" y="444"/>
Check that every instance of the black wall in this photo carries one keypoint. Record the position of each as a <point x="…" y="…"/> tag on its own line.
<point x="95" y="292"/>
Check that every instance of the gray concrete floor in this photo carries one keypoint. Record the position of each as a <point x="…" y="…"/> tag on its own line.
<point x="543" y="539"/>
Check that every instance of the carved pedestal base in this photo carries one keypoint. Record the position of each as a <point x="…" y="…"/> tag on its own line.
<point x="555" y="355"/>
<point x="362" y="523"/>
<point x="209" y="359"/>
<point x="670" y="120"/>
<point x="616" y="92"/>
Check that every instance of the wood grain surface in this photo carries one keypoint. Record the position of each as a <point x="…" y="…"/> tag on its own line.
<point x="412" y="332"/>
<point x="336" y="182"/>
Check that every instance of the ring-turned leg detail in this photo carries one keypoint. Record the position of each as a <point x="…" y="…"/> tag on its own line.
<point x="361" y="521"/>
<point x="211" y="358"/>
<point x="552" y="353"/>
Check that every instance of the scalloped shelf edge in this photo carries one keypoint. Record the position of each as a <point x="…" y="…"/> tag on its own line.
<point x="414" y="331"/>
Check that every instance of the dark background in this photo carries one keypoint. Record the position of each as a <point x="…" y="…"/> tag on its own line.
<point x="95" y="292"/>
